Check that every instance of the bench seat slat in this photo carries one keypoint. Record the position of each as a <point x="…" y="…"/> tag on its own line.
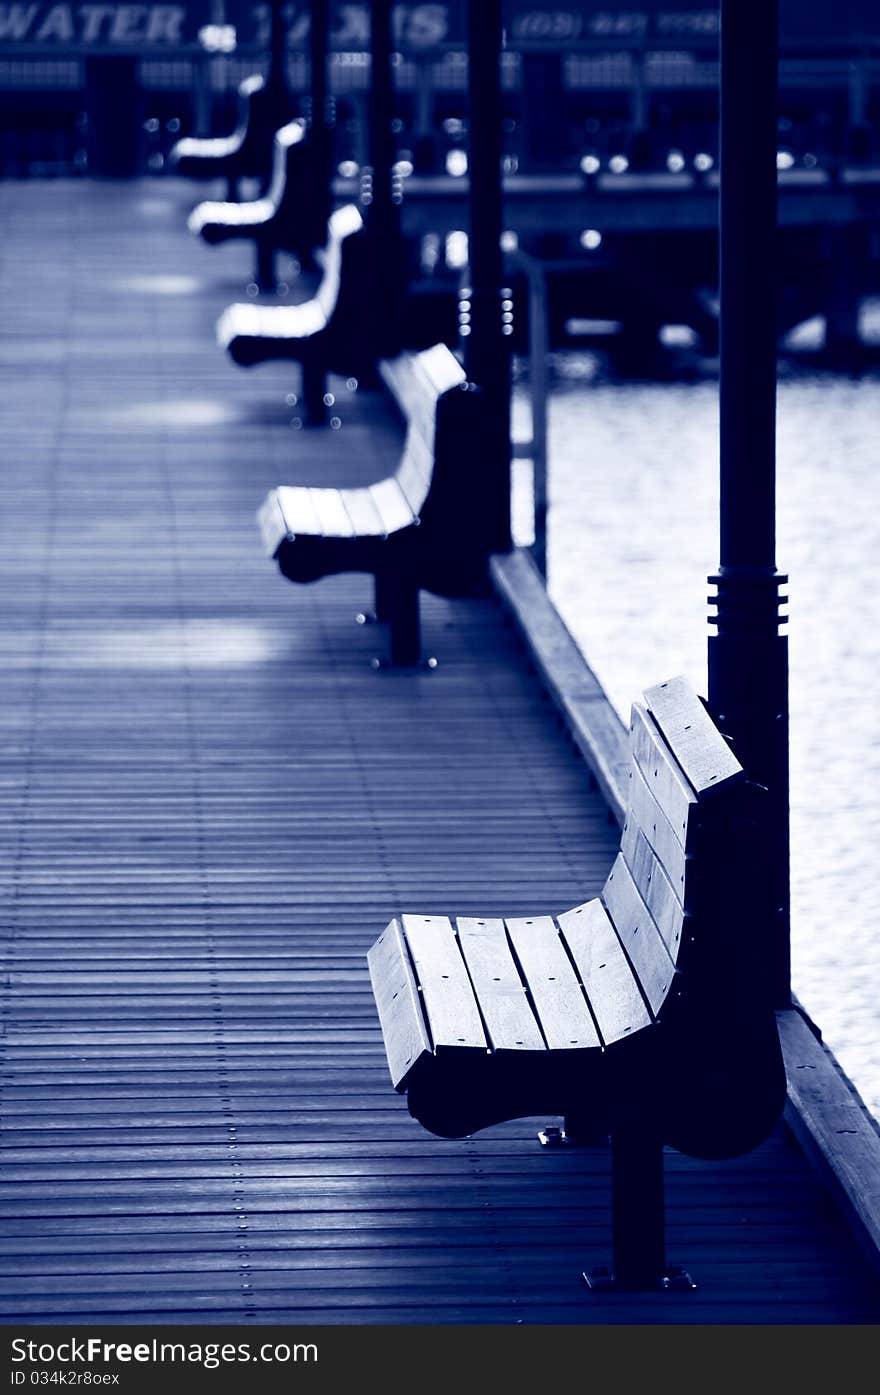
<point x="273" y="524"/>
<point x="414" y="474"/>
<point x="391" y="505"/>
<point x="654" y="886"/>
<point x="556" y="994"/>
<point x="638" y="934"/>
<point x="298" y="510"/>
<point x="510" y="1022"/>
<point x="447" y="996"/>
<point x="332" y="513"/>
<point x="362" y="511"/>
<point x="605" y="972"/>
<point x="397" y="1000"/>
<point x="662" y="774"/>
<point x="698" y="745"/>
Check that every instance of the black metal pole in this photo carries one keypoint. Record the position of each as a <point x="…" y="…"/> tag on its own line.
<point x="320" y="120"/>
<point x="277" y="75"/>
<point x="486" y="320"/>
<point x="381" y="188"/>
<point x="748" y="657"/>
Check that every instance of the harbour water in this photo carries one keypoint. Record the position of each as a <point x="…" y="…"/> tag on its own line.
<point x="632" y="537"/>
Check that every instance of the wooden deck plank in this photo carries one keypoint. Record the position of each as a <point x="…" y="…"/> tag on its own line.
<point x="211" y="806"/>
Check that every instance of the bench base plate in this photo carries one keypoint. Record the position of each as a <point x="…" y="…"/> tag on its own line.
<point x="604" y="1280"/>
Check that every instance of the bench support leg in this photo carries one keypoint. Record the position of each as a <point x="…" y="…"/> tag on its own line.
<point x="265" y="265"/>
<point x="314" y="385"/>
<point x="637" y="1216"/>
<point x="384" y="598"/>
<point x="400" y="607"/>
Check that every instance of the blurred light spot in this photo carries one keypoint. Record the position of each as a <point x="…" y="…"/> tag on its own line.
<point x="403" y="168"/>
<point x="170" y="644"/>
<point x="456" y="249"/>
<point x="160" y="285"/>
<point x="456" y="162"/>
<point x="675" y="162"/>
<point x="183" y="412"/>
<point x="677" y="336"/>
<point x="579" y="325"/>
<point x="590" y="164"/>
<point x="618" y="164"/>
<point x="348" y="169"/>
<point x="703" y="162"/>
<point x="591" y="238"/>
<point x="784" y="159"/>
<point x="509" y="241"/>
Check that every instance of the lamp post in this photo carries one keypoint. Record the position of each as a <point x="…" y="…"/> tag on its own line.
<point x="748" y="656"/>
<point x="320" y="130"/>
<point x="486" y="306"/>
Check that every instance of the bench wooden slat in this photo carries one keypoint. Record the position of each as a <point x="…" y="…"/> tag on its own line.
<point x="414" y="474"/>
<point x="605" y="972"/>
<point x="646" y="812"/>
<point x="662" y="774"/>
<point x="365" y="518"/>
<point x="298" y="511"/>
<point x="553" y="984"/>
<point x="510" y="1022"/>
<point x="654" y="887"/>
<point x="397" y="999"/>
<point x="447" y="996"/>
<point x="391" y="505"/>
<point x="638" y="934"/>
<point x="699" y="747"/>
<point x="332" y="513"/>
<point x="417" y="381"/>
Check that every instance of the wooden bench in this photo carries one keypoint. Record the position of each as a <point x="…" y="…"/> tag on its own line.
<point x="328" y="333"/>
<point x="275" y="222"/>
<point x="645" y="1013"/>
<point x="420" y="528"/>
<point x="247" y="151"/>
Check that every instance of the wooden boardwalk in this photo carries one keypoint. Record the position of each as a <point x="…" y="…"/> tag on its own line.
<point x="211" y="805"/>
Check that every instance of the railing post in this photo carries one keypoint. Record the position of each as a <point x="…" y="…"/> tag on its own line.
<point x="486" y="323"/>
<point x="536" y="448"/>
<point x="748" y="657"/>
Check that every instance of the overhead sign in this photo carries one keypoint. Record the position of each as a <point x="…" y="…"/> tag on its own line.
<point x="160" y="25"/>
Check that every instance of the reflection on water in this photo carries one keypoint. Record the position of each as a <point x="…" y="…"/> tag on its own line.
<point x="633" y="489"/>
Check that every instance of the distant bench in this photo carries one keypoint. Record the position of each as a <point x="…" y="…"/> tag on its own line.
<point x="420" y="527"/>
<point x="277" y="220"/>
<point x="263" y="107"/>
<point x="326" y="333"/>
<point x="645" y="1013"/>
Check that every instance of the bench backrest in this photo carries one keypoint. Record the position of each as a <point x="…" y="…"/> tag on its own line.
<point x="681" y="769"/>
<point x="287" y="149"/>
<point x="343" y="224"/>
<point x="417" y="382"/>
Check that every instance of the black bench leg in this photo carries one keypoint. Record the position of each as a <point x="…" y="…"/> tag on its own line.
<point x="384" y="598"/>
<point x="400" y="599"/>
<point x="265" y="265"/>
<point x="638" y="1226"/>
<point x="314" y="384"/>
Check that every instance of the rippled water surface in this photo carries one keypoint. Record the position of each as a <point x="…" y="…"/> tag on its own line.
<point x="633" y="490"/>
